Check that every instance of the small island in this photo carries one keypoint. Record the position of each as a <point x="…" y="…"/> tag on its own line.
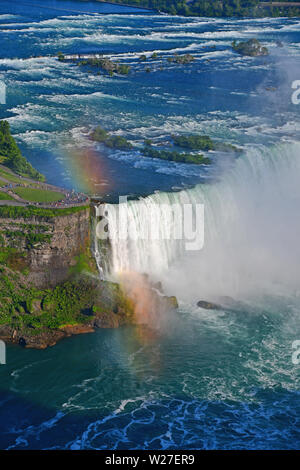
<point x="98" y="62"/>
<point x="174" y="156"/>
<point x="191" y="142"/>
<point x="120" y="143"/>
<point x="109" y="67"/>
<point x="251" y="48"/>
<point x="115" y="142"/>
<point x="203" y="142"/>
<point x="181" y="59"/>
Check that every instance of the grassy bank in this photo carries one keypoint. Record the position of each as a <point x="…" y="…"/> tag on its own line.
<point x="31" y="211"/>
<point x="39" y="195"/>
<point x="5" y="197"/>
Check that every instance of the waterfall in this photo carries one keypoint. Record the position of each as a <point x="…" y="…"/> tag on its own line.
<point x="251" y="231"/>
<point x="96" y="249"/>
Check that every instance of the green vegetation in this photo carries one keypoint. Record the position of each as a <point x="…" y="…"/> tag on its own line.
<point x="5" y="197"/>
<point x="17" y="238"/>
<point x="82" y="264"/>
<point x="60" y="56"/>
<point x="107" y="65"/>
<point x="32" y="312"/>
<point x="202" y="142"/>
<point x="252" y="48"/>
<point x="11" y="155"/>
<point x="112" y="67"/>
<point x="194" y="142"/>
<point x="118" y="142"/>
<point x="31" y="238"/>
<point x="115" y="142"/>
<point x="191" y="142"/>
<point x="100" y="135"/>
<point x="172" y="155"/>
<point x="39" y="195"/>
<point x="13" y="257"/>
<point x="30" y="227"/>
<point x="217" y="8"/>
<point x="11" y="177"/>
<point x="14" y="212"/>
<point x="181" y="59"/>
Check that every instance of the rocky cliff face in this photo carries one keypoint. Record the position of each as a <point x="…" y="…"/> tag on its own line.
<point x="51" y="262"/>
<point x="45" y="247"/>
<point x="49" y="284"/>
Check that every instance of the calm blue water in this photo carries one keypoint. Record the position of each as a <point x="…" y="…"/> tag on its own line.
<point x="209" y="380"/>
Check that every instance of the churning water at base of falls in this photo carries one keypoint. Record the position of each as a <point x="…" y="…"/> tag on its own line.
<point x="219" y="379"/>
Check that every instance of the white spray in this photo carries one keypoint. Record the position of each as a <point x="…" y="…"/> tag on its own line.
<point x="252" y="230"/>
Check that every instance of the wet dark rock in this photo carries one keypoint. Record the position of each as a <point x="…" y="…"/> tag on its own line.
<point x="158" y="286"/>
<point x="171" y="302"/>
<point x="208" y="305"/>
<point x="251" y="48"/>
<point x="115" y="309"/>
<point x="22" y="342"/>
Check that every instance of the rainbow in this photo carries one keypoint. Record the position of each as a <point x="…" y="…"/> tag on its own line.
<point x="87" y="169"/>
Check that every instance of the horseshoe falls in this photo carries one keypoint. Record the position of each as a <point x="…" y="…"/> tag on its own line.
<point x="251" y="228"/>
<point x="218" y="378"/>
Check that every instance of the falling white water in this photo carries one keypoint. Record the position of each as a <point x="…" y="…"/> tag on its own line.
<point x="97" y="251"/>
<point x="252" y="230"/>
<point x="152" y="235"/>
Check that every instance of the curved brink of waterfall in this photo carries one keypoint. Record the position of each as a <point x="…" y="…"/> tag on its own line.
<point x="251" y="242"/>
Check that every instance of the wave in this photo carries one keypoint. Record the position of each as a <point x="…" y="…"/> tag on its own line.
<point x="183" y="423"/>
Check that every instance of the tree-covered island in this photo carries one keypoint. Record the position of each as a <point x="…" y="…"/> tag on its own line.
<point x="218" y="8"/>
<point x="189" y="142"/>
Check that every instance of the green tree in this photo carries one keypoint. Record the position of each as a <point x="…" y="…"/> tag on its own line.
<point x="12" y="156"/>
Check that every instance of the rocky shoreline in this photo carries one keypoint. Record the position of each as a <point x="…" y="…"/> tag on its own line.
<point x="39" y="319"/>
<point x="50" y="337"/>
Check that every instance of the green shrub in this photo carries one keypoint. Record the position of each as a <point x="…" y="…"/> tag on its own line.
<point x="194" y="142"/>
<point x="118" y="142"/>
<point x="175" y="156"/>
<point x="12" y="154"/>
<point x="251" y="48"/>
<point x="15" y="212"/>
